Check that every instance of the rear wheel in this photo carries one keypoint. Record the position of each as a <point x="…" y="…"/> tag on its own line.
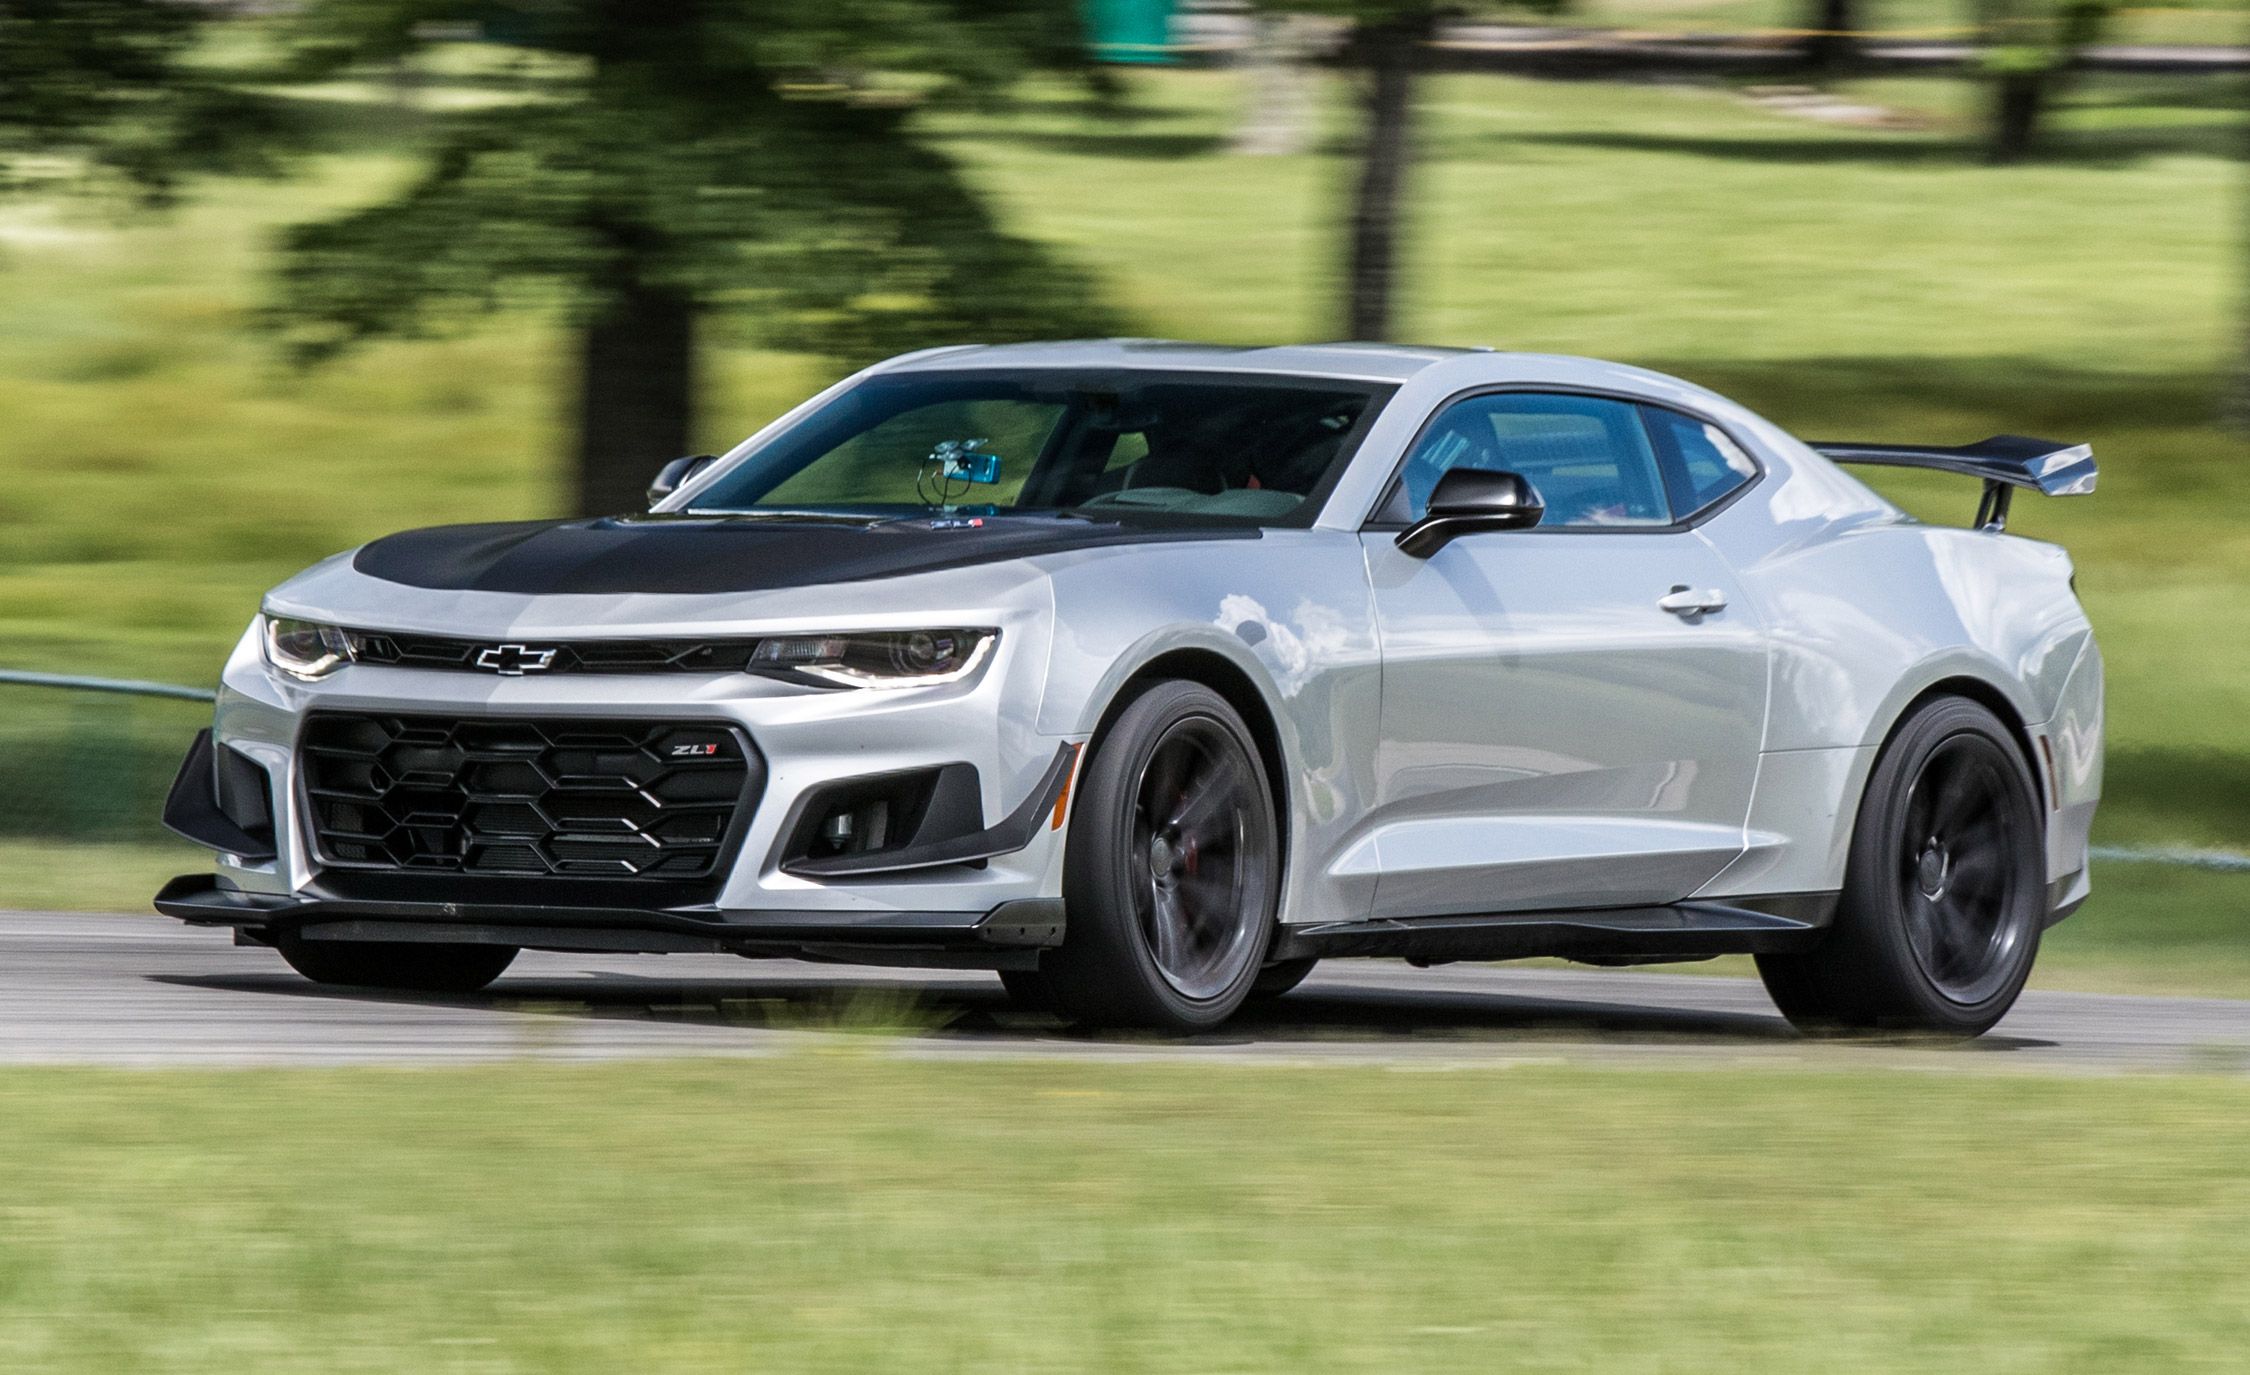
<point x="1172" y="871"/>
<point x="1943" y="896"/>
<point x="414" y="966"/>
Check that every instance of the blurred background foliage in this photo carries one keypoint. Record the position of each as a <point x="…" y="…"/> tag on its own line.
<point x="668" y="161"/>
<point x="294" y="276"/>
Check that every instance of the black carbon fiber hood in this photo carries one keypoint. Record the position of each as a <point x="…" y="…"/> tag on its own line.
<point x="699" y="554"/>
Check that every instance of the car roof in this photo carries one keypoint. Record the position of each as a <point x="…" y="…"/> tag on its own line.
<point x="1347" y="360"/>
<point x="1362" y="362"/>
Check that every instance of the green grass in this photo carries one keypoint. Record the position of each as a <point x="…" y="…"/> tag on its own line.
<point x="160" y="468"/>
<point x="91" y="876"/>
<point x="851" y="1211"/>
<point x="2151" y="928"/>
<point x="2207" y="22"/>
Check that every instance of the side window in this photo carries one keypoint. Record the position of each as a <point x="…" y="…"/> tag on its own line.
<point x="1701" y="464"/>
<point x="1588" y="457"/>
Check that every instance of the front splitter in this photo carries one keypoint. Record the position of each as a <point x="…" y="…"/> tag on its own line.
<point x="1005" y="937"/>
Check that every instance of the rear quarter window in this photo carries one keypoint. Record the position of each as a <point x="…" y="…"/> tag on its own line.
<point x="1702" y="464"/>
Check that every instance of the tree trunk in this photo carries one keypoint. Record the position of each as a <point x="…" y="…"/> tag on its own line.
<point x="1392" y="51"/>
<point x="636" y="395"/>
<point x="636" y="380"/>
<point x="2018" y="100"/>
<point x="1831" y="35"/>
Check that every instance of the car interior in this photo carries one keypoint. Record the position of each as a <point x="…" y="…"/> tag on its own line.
<point x="1245" y="449"/>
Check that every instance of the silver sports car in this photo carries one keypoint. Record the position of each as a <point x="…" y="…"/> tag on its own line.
<point x="1148" y="674"/>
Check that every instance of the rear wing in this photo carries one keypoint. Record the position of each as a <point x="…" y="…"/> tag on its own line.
<point x="2005" y="462"/>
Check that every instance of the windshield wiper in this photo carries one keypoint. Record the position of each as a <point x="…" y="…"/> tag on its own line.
<point x="781" y="516"/>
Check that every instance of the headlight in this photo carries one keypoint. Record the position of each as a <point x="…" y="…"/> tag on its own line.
<point x="887" y="659"/>
<point x="306" y="649"/>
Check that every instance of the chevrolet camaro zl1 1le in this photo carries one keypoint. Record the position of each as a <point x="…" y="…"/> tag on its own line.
<point x="1149" y="674"/>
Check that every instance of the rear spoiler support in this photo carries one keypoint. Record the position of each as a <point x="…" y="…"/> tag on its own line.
<point x="2005" y="462"/>
<point x="1992" y="507"/>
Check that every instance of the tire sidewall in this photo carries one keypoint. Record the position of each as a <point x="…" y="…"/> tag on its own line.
<point x="1280" y="976"/>
<point x="1102" y="927"/>
<point x="1873" y="909"/>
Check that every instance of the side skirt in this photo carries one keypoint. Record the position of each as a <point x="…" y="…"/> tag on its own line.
<point x="1606" y="935"/>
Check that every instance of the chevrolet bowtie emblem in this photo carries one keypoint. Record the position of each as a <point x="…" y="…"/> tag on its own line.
<point x="515" y="660"/>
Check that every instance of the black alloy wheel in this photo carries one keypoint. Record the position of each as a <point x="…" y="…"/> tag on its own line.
<point x="1944" y="894"/>
<point x="1173" y="869"/>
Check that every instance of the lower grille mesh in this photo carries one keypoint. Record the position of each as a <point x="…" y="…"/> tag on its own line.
<point x="508" y="796"/>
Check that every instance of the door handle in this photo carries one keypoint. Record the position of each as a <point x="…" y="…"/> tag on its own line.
<point x="1683" y="600"/>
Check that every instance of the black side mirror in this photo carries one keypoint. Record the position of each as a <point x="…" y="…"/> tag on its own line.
<point x="1467" y="500"/>
<point x="674" y="475"/>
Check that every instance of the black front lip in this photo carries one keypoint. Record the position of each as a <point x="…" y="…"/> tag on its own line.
<point x="1020" y="926"/>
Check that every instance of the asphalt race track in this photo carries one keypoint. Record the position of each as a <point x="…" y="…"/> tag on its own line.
<point x="145" y="991"/>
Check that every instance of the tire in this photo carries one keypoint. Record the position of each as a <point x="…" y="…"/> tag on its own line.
<point x="410" y="966"/>
<point x="1172" y="872"/>
<point x="1944" y="890"/>
<point x="1279" y="977"/>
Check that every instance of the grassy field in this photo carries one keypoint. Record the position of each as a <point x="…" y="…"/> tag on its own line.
<point x="2212" y="21"/>
<point x="850" y="1211"/>
<point x="161" y="467"/>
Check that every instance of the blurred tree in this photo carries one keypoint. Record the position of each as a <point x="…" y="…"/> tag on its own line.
<point x="1388" y="44"/>
<point x="1831" y="34"/>
<point x="110" y="88"/>
<point x="2030" y="46"/>
<point x="686" y="158"/>
<point x="1385" y="44"/>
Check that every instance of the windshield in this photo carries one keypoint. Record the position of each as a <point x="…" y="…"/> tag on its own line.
<point x="1127" y="444"/>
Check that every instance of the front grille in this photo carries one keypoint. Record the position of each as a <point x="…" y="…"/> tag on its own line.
<point x="551" y="656"/>
<point x="506" y="796"/>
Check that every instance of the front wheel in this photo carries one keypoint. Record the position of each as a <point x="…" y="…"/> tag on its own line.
<point x="1027" y="990"/>
<point x="410" y="966"/>
<point x="1281" y="976"/>
<point x="1943" y="896"/>
<point x="1173" y="869"/>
